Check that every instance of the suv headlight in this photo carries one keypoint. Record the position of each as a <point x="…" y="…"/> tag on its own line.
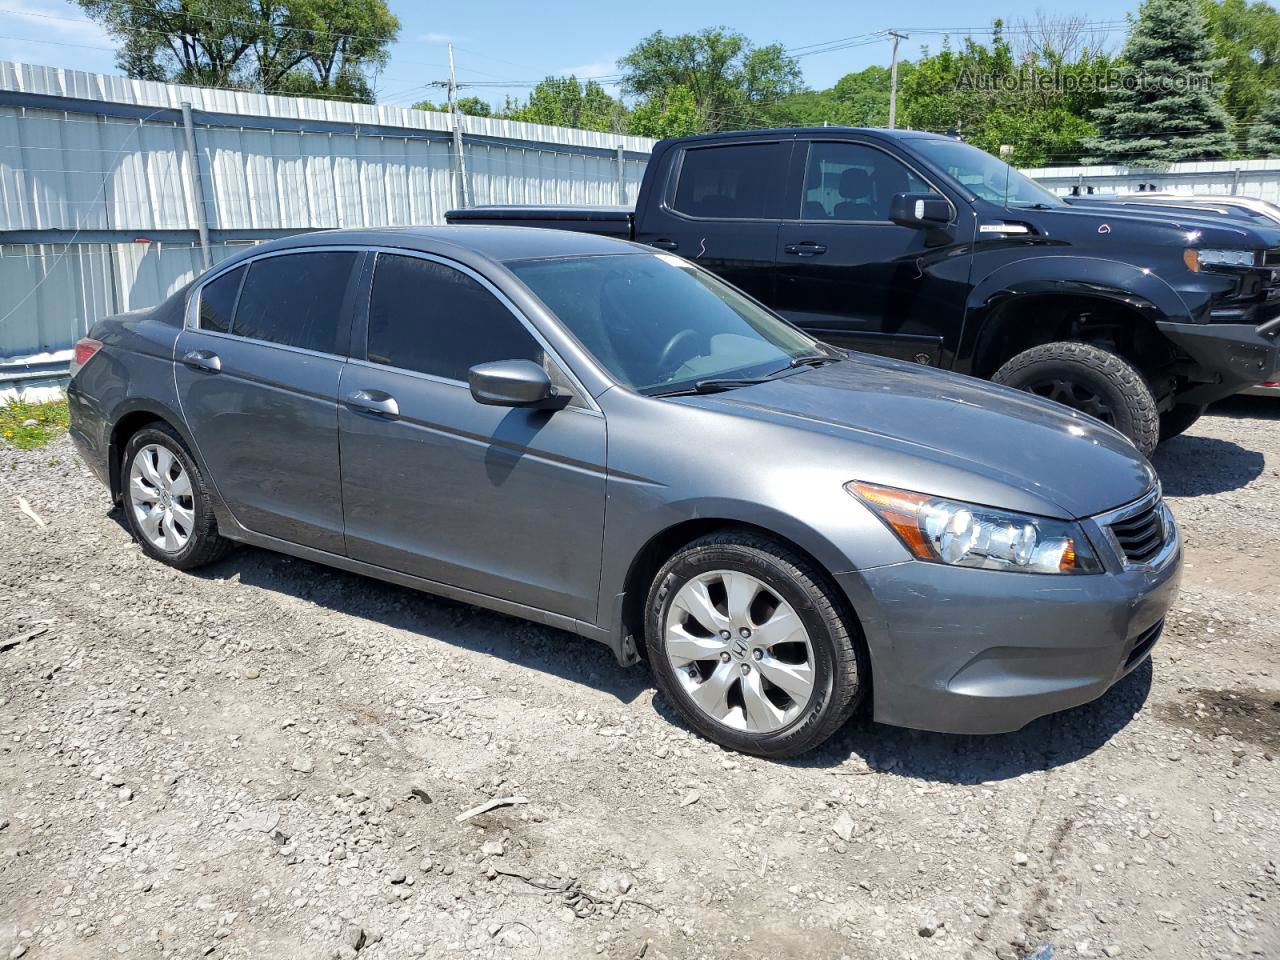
<point x="939" y="530"/>
<point x="1195" y="259"/>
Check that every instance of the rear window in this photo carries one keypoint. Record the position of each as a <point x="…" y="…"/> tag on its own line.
<point x="218" y="299"/>
<point x="295" y="300"/>
<point x="728" y="183"/>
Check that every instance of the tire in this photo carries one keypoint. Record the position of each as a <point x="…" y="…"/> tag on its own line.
<point x="828" y="650"/>
<point x="1092" y="380"/>
<point x="1179" y="419"/>
<point x="189" y="521"/>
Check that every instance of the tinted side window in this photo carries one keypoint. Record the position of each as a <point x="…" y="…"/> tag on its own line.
<point x="295" y="299"/>
<point x="849" y="181"/>
<point x="732" y="182"/>
<point x="218" y="299"/>
<point x="428" y="317"/>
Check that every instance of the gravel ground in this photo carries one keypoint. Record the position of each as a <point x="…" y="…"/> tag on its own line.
<point x="268" y="758"/>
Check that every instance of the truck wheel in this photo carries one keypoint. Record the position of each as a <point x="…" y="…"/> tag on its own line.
<point x="1179" y="419"/>
<point x="1092" y="380"/>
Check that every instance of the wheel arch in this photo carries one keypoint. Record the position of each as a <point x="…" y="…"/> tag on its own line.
<point x="1040" y="300"/>
<point x="132" y="417"/>
<point x="629" y="602"/>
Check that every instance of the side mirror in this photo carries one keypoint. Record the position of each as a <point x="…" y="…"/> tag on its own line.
<point x="514" y="383"/>
<point x="919" y="210"/>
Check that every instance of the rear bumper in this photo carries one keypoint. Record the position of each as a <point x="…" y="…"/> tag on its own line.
<point x="88" y="433"/>
<point x="958" y="650"/>
<point x="1234" y="355"/>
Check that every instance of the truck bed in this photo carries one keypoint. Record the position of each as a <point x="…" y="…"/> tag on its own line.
<point x="606" y="221"/>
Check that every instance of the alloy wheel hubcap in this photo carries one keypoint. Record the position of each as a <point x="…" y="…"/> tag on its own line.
<point x="1078" y="396"/>
<point x="160" y="498"/>
<point x="739" y="651"/>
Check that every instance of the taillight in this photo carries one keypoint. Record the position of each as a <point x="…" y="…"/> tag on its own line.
<point x="86" y="347"/>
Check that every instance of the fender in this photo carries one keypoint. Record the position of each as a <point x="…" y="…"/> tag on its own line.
<point x="1121" y="283"/>
<point x="161" y="411"/>
<point x="616" y="577"/>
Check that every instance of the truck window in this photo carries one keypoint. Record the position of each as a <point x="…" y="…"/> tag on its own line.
<point x="851" y="181"/>
<point x="727" y="183"/>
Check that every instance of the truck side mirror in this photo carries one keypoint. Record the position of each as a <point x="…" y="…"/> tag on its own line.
<point x="919" y="210"/>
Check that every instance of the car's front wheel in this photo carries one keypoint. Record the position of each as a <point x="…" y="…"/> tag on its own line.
<point x="753" y="645"/>
<point x="165" y="501"/>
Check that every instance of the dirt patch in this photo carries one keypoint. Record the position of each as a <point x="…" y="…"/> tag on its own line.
<point x="1249" y="717"/>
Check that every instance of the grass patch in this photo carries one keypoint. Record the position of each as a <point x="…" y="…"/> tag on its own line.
<point x="29" y="426"/>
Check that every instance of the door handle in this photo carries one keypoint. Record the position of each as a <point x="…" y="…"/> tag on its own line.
<point x="203" y="360"/>
<point x="806" y="248"/>
<point x="664" y="244"/>
<point x="375" y="402"/>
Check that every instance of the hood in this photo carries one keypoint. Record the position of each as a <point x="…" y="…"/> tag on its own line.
<point x="1211" y="229"/>
<point x="954" y="436"/>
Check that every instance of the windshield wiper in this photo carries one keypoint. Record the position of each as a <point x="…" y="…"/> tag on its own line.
<point x="719" y="384"/>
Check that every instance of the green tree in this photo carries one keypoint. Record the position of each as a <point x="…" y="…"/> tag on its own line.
<point x="1035" y="101"/>
<point x="472" y="106"/>
<point x="1246" y="42"/>
<point x="673" y="113"/>
<point x="1264" y="135"/>
<point x="733" y="82"/>
<point x="1167" y="108"/>
<point x="318" y="47"/>
<point x="569" y="102"/>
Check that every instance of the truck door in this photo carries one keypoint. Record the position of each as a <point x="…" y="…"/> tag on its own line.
<point x="850" y="276"/>
<point x="720" y="206"/>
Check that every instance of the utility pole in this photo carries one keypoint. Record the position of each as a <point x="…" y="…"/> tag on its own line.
<point x="893" y="79"/>
<point x="460" y="163"/>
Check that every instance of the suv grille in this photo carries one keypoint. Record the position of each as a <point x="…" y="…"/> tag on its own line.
<point x="1142" y="535"/>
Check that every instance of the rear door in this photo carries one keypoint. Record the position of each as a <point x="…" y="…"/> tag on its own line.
<point x="850" y="276"/>
<point x="503" y="501"/>
<point x="720" y="207"/>
<point x="257" y="378"/>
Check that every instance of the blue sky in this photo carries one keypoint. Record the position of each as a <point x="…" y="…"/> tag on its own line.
<point x="517" y="42"/>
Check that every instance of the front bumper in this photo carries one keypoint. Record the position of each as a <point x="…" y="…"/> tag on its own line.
<point x="959" y="650"/>
<point x="1231" y="356"/>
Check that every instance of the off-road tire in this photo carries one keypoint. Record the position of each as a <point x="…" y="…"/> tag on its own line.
<point x="204" y="544"/>
<point x="1116" y="383"/>
<point x="842" y="670"/>
<point x="1178" y="420"/>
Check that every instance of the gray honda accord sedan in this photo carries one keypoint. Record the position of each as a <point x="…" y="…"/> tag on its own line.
<point x="610" y="440"/>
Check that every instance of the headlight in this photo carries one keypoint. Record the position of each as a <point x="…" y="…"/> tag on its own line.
<point x="966" y="535"/>
<point x="1195" y="259"/>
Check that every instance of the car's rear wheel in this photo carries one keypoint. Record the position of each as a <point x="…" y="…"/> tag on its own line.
<point x="1092" y="380"/>
<point x="753" y="645"/>
<point x="166" y="504"/>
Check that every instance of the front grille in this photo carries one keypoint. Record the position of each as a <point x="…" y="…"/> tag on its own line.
<point x="1143" y="644"/>
<point x="1271" y="258"/>
<point x="1142" y="535"/>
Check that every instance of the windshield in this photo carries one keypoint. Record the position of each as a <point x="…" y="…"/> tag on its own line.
<point x="658" y="324"/>
<point x="989" y="178"/>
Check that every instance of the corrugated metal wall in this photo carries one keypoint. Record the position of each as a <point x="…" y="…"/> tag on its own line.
<point x="90" y="163"/>
<point x="1246" y="178"/>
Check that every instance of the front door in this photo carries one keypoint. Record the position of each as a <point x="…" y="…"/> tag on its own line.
<point x="850" y="276"/>
<point x="503" y="501"/>
<point x="257" y="380"/>
<point x="720" y="209"/>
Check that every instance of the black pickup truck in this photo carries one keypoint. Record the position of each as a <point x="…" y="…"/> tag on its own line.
<point x="919" y="246"/>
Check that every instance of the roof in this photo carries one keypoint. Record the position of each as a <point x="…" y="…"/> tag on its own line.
<point x="495" y="243"/>
<point x="883" y="132"/>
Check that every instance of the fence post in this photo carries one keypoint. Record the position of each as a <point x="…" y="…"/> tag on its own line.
<point x="197" y="185"/>
<point x="622" y="177"/>
<point x="1235" y="182"/>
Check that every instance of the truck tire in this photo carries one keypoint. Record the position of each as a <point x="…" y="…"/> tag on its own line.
<point x="1092" y="380"/>
<point x="1179" y="419"/>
